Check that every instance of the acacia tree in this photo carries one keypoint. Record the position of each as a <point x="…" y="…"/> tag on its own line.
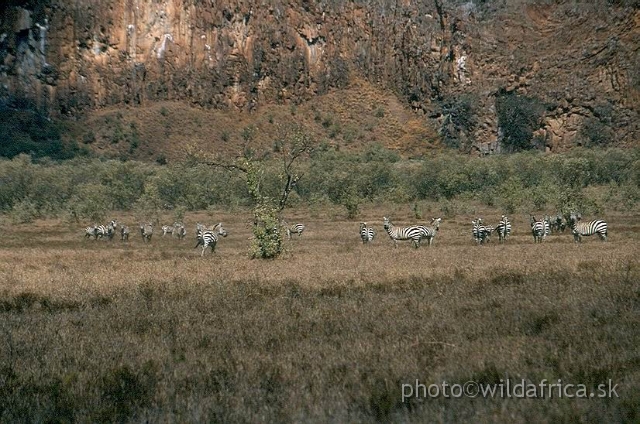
<point x="293" y="143"/>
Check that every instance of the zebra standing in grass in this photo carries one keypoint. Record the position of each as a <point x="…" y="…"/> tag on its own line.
<point x="107" y="230"/>
<point x="481" y="233"/>
<point x="433" y="230"/>
<point x="579" y="229"/>
<point x="556" y="224"/>
<point x="124" y="233"/>
<point x="91" y="231"/>
<point x="415" y="233"/>
<point x="180" y="231"/>
<point x="294" y="229"/>
<point x="503" y="229"/>
<point x="168" y="229"/>
<point x="539" y="229"/>
<point x="366" y="233"/>
<point x="209" y="238"/>
<point x="146" y="231"/>
<point x="547" y="225"/>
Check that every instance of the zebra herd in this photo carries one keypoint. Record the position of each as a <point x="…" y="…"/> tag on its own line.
<point x="100" y="231"/>
<point x="482" y="233"/>
<point x="540" y="229"/>
<point x="208" y="237"/>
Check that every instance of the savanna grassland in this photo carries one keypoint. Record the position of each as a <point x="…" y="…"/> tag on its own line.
<point x="104" y="331"/>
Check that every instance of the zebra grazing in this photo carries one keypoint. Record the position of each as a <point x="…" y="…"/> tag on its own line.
<point x="124" y="233"/>
<point x="209" y="238"/>
<point x="415" y="233"/>
<point x="539" y="229"/>
<point x="146" y="231"/>
<point x="168" y="229"/>
<point x="481" y="233"/>
<point x="295" y="229"/>
<point x="557" y="225"/>
<point x="180" y="231"/>
<point x="579" y="229"/>
<point x="366" y="233"/>
<point x="108" y="230"/>
<point x="91" y="231"/>
<point x="503" y="229"/>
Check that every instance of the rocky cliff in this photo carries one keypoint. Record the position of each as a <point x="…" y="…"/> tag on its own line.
<point x="580" y="61"/>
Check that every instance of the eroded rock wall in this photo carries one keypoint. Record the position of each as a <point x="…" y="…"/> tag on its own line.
<point x="66" y="57"/>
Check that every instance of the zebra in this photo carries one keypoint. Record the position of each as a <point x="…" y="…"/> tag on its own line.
<point x="295" y="229"/>
<point x="91" y="231"/>
<point x="539" y="229"/>
<point x="547" y="225"/>
<point x="503" y="229"/>
<point x="415" y="233"/>
<point x="180" y="231"/>
<point x="124" y="233"/>
<point x="168" y="229"/>
<point x="208" y="238"/>
<point x="557" y="224"/>
<point x="146" y="231"/>
<point x="366" y="233"/>
<point x="433" y="230"/>
<point x="579" y="229"/>
<point x="481" y="233"/>
<point x="107" y="230"/>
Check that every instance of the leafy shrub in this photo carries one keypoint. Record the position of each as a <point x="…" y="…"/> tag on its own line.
<point x="267" y="235"/>
<point x="595" y="133"/>
<point x="24" y="211"/>
<point x="459" y="120"/>
<point x="89" y="201"/>
<point x="518" y="117"/>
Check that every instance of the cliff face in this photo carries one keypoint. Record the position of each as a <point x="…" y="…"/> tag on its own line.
<point x="581" y="61"/>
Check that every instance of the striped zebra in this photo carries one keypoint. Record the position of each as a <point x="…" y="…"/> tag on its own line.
<point x="539" y="229"/>
<point x="366" y="233"/>
<point x="168" y="229"/>
<point x="580" y="229"/>
<point x="547" y="225"/>
<point x="108" y="230"/>
<point x="209" y="238"/>
<point x="503" y="229"/>
<point x="557" y="225"/>
<point x="180" y="231"/>
<point x="481" y="233"/>
<point x="295" y="229"/>
<point x="91" y="231"/>
<point x="146" y="231"/>
<point x="433" y="230"/>
<point x="124" y="233"/>
<point x="414" y="233"/>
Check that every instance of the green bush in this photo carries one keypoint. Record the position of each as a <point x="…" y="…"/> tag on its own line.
<point x="459" y="120"/>
<point x="518" y="117"/>
<point x="267" y="234"/>
<point x="87" y="188"/>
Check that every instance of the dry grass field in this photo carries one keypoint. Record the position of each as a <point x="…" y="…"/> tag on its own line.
<point x="111" y="331"/>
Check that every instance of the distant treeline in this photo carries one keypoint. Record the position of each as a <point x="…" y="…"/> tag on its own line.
<point x="591" y="180"/>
